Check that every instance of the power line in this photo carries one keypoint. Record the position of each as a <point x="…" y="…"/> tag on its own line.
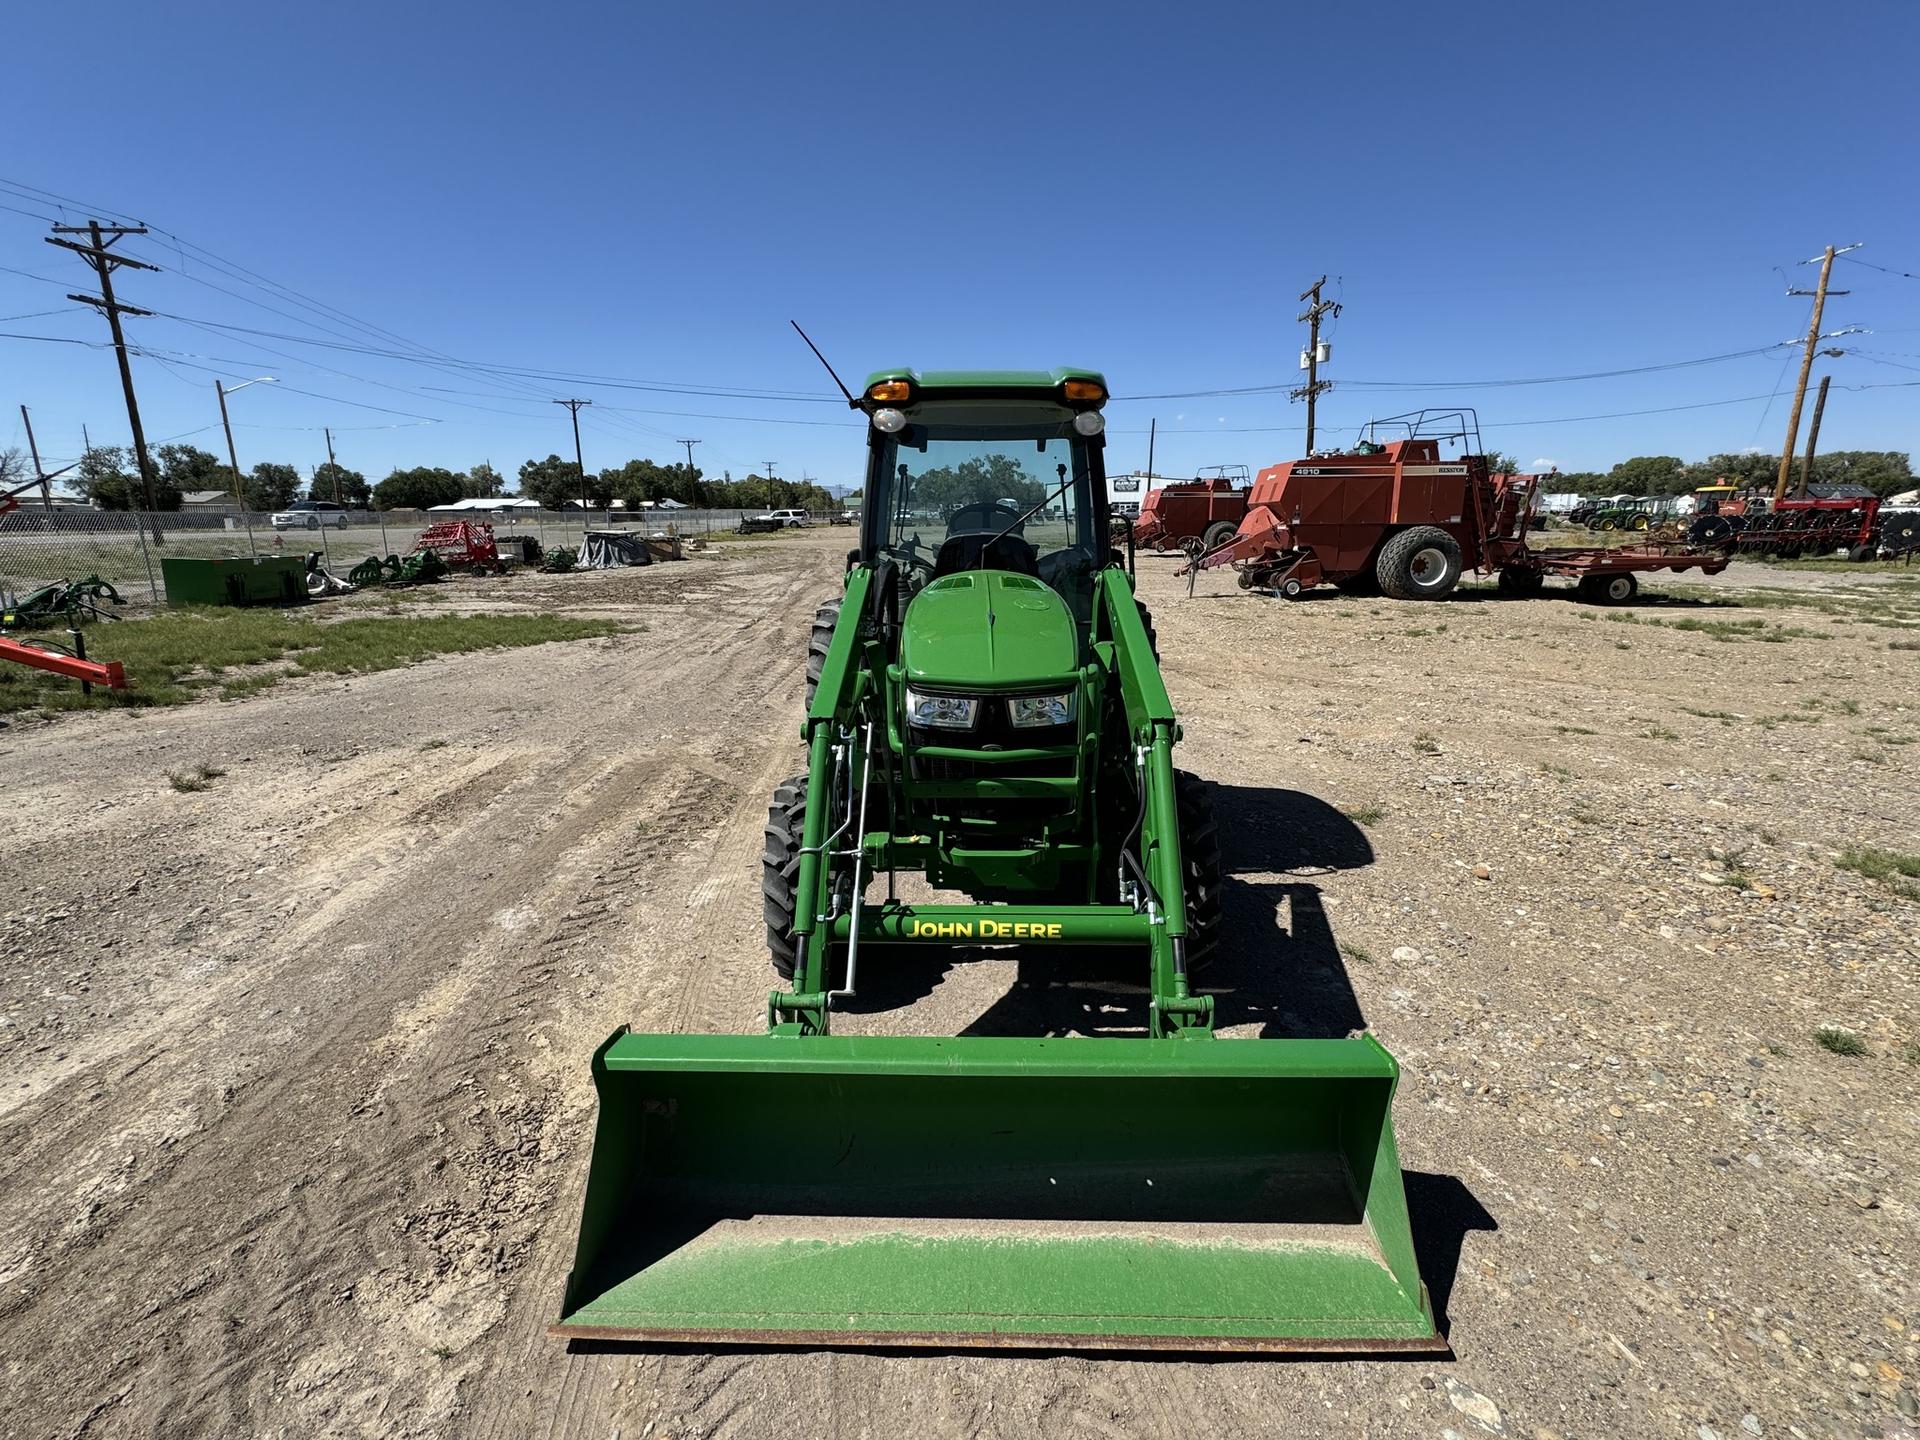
<point x="1472" y="384"/>
<point x="1903" y="274"/>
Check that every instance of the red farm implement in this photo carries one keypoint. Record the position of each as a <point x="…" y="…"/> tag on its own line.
<point x="1395" y="517"/>
<point x="462" y="545"/>
<point x="1829" y="520"/>
<point x="1191" y="515"/>
<point x="44" y="655"/>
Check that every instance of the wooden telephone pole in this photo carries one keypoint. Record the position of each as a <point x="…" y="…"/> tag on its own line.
<point x="97" y="253"/>
<point x="1813" y="434"/>
<point x="44" y="476"/>
<point x="573" y="406"/>
<point x="1310" y="317"/>
<point x="1819" y="293"/>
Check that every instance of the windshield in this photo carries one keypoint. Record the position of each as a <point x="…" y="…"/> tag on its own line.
<point x="948" y="504"/>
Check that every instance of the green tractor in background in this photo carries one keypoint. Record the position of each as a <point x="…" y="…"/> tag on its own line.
<point x="985" y="711"/>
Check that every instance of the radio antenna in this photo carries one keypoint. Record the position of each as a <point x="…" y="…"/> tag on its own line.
<point x="823" y="360"/>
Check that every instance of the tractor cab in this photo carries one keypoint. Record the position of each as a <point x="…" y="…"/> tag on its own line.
<point x="976" y="471"/>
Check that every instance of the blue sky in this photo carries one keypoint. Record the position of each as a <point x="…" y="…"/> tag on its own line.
<point x="651" y="192"/>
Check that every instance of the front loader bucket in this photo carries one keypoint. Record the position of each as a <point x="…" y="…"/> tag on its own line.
<point x="1180" y="1194"/>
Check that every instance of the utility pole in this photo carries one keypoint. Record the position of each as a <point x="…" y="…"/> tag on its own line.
<point x="689" y="444"/>
<point x="1819" y="294"/>
<point x="573" y="407"/>
<point x="233" y="460"/>
<point x="44" y="476"/>
<point x="98" y="255"/>
<point x="333" y="470"/>
<point x="46" y="489"/>
<point x="1310" y="317"/>
<point x="1813" y="434"/>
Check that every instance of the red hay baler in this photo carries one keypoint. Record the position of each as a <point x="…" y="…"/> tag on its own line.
<point x="1395" y="517"/>
<point x="1191" y="515"/>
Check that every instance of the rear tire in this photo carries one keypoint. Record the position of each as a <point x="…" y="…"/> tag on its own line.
<point x="1200" y="862"/>
<point x="1609" y="589"/>
<point x="1521" y="581"/>
<point x="1218" y="534"/>
<point x="780" y="872"/>
<point x="1419" y="564"/>
<point x="818" y="639"/>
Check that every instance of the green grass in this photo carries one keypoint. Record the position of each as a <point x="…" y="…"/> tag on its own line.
<point x="1895" y="869"/>
<point x="1659" y="732"/>
<point x="1365" y="814"/>
<point x="1910" y="1052"/>
<point x="1425" y="744"/>
<point x="1725" y="717"/>
<point x="1358" y="954"/>
<point x="183" y="655"/>
<point x="1838" y="1041"/>
<point x="1573" y="730"/>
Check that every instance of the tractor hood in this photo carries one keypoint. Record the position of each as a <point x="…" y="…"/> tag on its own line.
<point x="988" y="630"/>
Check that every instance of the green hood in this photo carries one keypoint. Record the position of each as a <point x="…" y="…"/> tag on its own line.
<point x="988" y="630"/>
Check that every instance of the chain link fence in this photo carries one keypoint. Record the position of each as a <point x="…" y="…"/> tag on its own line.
<point x="40" y="546"/>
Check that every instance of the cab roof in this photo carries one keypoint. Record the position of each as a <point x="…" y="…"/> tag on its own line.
<point x="959" y="383"/>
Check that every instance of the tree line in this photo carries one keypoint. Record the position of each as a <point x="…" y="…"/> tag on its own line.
<point x="106" y="477"/>
<point x="1885" y="472"/>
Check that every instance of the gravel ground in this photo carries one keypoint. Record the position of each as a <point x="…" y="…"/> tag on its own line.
<point x="294" y="1100"/>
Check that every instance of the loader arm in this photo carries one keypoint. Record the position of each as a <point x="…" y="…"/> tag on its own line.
<point x="1152" y="731"/>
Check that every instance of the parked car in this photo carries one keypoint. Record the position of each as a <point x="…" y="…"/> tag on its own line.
<point x="310" y="515"/>
<point x="787" y="519"/>
<point x="844" y="517"/>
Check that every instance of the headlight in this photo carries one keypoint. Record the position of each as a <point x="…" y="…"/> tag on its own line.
<point x="941" y="712"/>
<point x="1032" y="711"/>
<point x="889" y="421"/>
<point x="1089" y="422"/>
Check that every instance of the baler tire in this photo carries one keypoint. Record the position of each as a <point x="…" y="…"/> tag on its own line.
<point x="1599" y="589"/>
<point x="1521" y="580"/>
<point x="818" y="639"/>
<point x="780" y="872"/>
<point x="1218" y="534"/>
<point x="1200" y="860"/>
<point x="1395" y="566"/>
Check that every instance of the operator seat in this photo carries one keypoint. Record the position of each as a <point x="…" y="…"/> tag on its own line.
<point x="982" y="550"/>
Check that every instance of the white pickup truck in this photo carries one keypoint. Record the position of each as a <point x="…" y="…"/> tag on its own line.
<point x="775" y="520"/>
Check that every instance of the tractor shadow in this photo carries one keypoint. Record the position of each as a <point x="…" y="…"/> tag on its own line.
<point x="1277" y="967"/>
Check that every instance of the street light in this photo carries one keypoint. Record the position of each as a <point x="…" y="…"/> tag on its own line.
<point x="233" y="460"/>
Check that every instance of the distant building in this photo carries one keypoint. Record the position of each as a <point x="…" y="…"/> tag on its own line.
<point x="209" y="502"/>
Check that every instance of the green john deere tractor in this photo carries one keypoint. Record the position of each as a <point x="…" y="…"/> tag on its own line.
<point x="985" y="709"/>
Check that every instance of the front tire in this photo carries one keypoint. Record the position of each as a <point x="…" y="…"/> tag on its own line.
<point x="780" y="872"/>
<point x="1200" y="864"/>
<point x="818" y="639"/>
<point x="1419" y="564"/>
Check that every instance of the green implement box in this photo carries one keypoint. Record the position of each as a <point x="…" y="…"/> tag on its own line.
<point x="235" y="580"/>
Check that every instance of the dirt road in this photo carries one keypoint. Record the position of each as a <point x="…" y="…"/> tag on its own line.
<point x="293" y="1088"/>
